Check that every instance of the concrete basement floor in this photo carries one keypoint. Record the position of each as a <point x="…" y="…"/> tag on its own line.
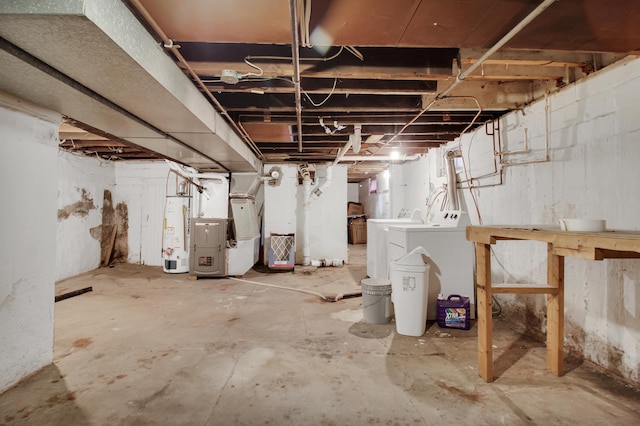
<point x="152" y="348"/>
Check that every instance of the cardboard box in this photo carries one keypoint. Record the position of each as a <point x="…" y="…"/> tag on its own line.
<point x="358" y="232"/>
<point x="354" y="209"/>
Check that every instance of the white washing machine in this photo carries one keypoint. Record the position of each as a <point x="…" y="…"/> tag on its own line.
<point x="451" y="257"/>
<point x="377" y="229"/>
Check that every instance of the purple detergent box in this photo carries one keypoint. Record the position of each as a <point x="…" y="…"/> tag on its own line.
<point x="454" y="312"/>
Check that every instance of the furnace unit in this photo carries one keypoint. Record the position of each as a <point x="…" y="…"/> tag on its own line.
<point x="208" y="248"/>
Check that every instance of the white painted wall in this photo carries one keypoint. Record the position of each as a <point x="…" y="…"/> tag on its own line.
<point x="79" y="229"/>
<point x="29" y="138"/>
<point x="141" y="186"/>
<point x="592" y="173"/>
<point x="283" y="213"/>
<point x="352" y="193"/>
<point x="281" y="207"/>
<point x="328" y="217"/>
<point x="377" y="205"/>
<point x="413" y="185"/>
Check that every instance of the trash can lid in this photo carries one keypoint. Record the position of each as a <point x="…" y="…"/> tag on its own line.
<point x="417" y="257"/>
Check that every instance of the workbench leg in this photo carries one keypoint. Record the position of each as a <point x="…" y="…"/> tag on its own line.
<point x="485" y="350"/>
<point x="555" y="313"/>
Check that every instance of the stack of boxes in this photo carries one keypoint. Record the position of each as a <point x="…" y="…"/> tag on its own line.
<point x="356" y="223"/>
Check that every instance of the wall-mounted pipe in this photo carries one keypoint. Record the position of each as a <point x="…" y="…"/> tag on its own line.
<point x="295" y="54"/>
<point x="547" y="156"/>
<point x="515" y="30"/>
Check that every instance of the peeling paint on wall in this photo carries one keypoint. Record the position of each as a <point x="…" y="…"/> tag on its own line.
<point x="121" y="247"/>
<point x="79" y="208"/>
<point x="118" y="217"/>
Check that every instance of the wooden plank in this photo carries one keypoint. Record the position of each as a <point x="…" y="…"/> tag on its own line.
<point x="555" y="313"/>
<point x="588" y="253"/>
<point x="613" y="254"/>
<point x="480" y="235"/>
<point x="112" y="241"/>
<point x="613" y="240"/>
<point x="73" y="293"/>
<point x="485" y="349"/>
<point x="504" y="288"/>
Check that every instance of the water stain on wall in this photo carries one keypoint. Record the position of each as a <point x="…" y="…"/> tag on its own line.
<point x="79" y="208"/>
<point x="117" y="217"/>
<point x="121" y="247"/>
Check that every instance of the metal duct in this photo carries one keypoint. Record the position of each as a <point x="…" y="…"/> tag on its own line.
<point x="452" y="183"/>
<point x="84" y="41"/>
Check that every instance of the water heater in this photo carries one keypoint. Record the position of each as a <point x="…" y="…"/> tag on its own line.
<point x="176" y="230"/>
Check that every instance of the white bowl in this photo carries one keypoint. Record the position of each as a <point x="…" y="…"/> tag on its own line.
<point x="583" y="225"/>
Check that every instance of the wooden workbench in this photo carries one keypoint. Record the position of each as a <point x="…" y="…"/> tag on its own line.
<point x="583" y="245"/>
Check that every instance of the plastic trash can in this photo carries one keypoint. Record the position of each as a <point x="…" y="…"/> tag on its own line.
<point x="410" y="289"/>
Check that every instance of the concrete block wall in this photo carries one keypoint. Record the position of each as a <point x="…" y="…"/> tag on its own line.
<point x="84" y="183"/>
<point x="29" y="138"/>
<point x="328" y="216"/>
<point x="141" y="188"/>
<point x="283" y="213"/>
<point x="593" y="132"/>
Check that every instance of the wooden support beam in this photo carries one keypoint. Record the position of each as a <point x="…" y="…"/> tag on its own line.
<point x="485" y="333"/>
<point x="555" y="312"/>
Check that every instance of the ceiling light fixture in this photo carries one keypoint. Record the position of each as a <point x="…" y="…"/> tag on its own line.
<point x="395" y="154"/>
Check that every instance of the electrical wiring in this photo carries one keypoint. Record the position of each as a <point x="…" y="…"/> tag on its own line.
<point x="432" y="199"/>
<point x="355" y="52"/>
<point x="288" y="58"/>
<point x="335" y="81"/>
<point x="246" y="61"/>
<point x="464" y="163"/>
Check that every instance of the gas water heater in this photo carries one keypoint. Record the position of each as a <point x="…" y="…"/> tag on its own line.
<point x="175" y="236"/>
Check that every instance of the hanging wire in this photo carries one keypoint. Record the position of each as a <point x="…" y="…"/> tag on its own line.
<point x="335" y="81"/>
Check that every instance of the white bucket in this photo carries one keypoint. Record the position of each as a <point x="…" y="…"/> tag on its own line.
<point x="376" y="301"/>
<point x="410" y="285"/>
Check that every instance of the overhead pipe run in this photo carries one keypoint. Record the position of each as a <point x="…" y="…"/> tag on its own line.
<point x="461" y="76"/>
<point x="515" y="30"/>
<point x="174" y="48"/>
<point x="356" y="158"/>
<point x="295" y="54"/>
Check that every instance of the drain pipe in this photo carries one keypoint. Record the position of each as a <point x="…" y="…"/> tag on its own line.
<point x="168" y="44"/>
<point x="295" y="54"/>
<point x="306" y="243"/>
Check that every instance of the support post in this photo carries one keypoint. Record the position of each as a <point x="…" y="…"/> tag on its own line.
<point x="555" y="313"/>
<point x="485" y="350"/>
